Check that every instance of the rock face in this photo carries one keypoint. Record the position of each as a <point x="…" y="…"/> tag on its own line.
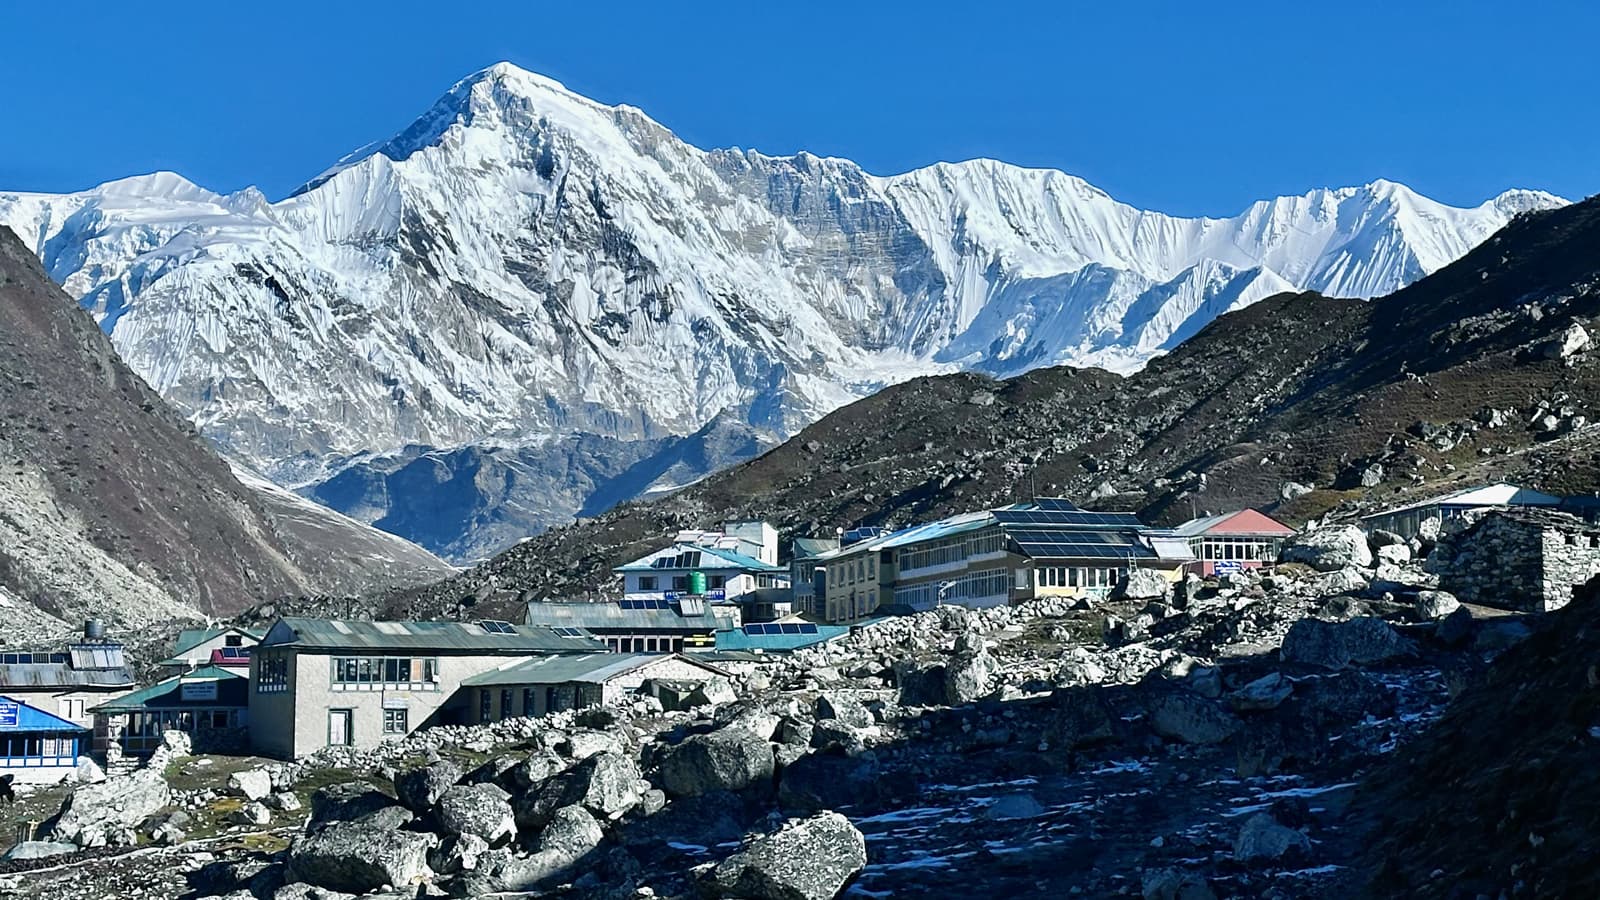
<point x="1335" y="645"/>
<point x="355" y="857"/>
<point x="1330" y="548"/>
<point x="809" y="859"/>
<point x="731" y="759"/>
<point x="92" y="810"/>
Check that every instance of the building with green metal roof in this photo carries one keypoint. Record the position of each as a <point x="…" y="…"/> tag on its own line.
<point x="211" y="704"/>
<point x="316" y="683"/>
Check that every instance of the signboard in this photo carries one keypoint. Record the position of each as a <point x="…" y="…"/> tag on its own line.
<point x="9" y="712"/>
<point x="196" y="691"/>
<point x="395" y="703"/>
<point x="1227" y="566"/>
<point x="716" y="594"/>
<point x="669" y="595"/>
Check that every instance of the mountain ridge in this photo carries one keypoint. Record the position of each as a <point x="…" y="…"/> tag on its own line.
<point x="530" y="264"/>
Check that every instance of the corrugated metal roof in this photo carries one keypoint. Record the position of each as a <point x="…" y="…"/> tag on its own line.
<point x="1500" y="494"/>
<point x="613" y="616"/>
<point x="233" y="689"/>
<point x="738" y="639"/>
<point x="1171" y="548"/>
<point x="589" y="668"/>
<point x="1244" y="522"/>
<point x="711" y="558"/>
<point x="190" y="638"/>
<point x="46" y="676"/>
<point x="439" y="637"/>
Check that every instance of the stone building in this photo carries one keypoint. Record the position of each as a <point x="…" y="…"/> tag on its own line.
<point x="1523" y="559"/>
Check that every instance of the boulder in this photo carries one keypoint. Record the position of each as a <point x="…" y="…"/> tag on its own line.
<point x="1456" y="628"/>
<point x="251" y="784"/>
<point x="1172" y="884"/>
<point x="606" y="784"/>
<point x="483" y="810"/>
<point x="1267" y="692"/>
<point x="1572" y="341"/>
<point x="88" y="771"/>
<point x="359" y="858"/>
<point x="845" y="709"/>
<point x="284" y="801"/>
<point x="920" y="683"/>
<point x="1329" y="548"/>
<point x="1349" y="580"/>
<point x="1192" y="719"/>
<point x="420" y="788"/>
<point x="1335" y="645"/>
<point x="1142" y="584"/>
<point x="1379" y="538"/>
<point x="584" y="744"/>
<point x="1394" y="554"/>
<point x="571" y="834"/>
<point x="713" y="691"/>
<point x="731" y="759"/>
<point x="346" y="802"/>
<point x="1290" y="490"/>
<point x="1435" y="605"/>
<point x="969" y="676"/>
<point x="806" y="859"/>
<point x="458" y="854"/>
<point x="533" y="771"/>
<point x="116" y="803"/>
<point x="254" y="814"/>
<point x="1262" y="839"/>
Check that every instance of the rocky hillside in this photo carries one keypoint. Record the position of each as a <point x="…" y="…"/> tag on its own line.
<point x="1457" y="815"/>
<point x="1300" y="403"/>
<point x="111" y="504"/>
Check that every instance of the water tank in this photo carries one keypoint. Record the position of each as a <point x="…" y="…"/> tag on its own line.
<point x="697" y="583"/>
<point x="94" y="630"/>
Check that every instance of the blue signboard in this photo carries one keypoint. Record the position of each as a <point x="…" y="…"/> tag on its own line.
<point x="669" y="595"/>
<point x="8" y="714"/>
<point x="1227" y="565"/>
<point x="716" y="594"/>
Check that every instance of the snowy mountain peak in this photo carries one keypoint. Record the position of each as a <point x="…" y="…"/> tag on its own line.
<point x="521" y="262"/>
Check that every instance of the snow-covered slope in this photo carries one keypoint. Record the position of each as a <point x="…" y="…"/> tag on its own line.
<point x="523" y="262"/>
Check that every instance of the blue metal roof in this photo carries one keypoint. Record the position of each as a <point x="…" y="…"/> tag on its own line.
<point x="723" y="559"/>
<point x="18" y="716"/>
<point x="744" y="639"/>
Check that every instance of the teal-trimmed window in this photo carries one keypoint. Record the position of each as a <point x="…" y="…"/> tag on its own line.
<point x="385" y="673"/>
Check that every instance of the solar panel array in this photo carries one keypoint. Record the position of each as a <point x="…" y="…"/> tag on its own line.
<point x="233" y="652"/>
<point x="28" y="659"/>
<point x="494" y="626"/>
<point x="1056" y="503"/>
<point x="645" y="604"/>
<point x="1066" y="518"/>
<point x="569" y="631"/>
<point x="781" y="628"/>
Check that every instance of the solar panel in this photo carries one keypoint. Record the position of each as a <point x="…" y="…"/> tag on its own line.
<point x="494" y="626"/>
<point x="1055" y="504"/>
<point x="568" y="631"/>
<point x="1063" y="518"/>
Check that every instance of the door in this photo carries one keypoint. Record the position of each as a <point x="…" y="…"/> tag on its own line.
<point x="338" y="727"/>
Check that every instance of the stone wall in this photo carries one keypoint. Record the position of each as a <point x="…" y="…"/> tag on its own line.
<point x="1522" y="560"/>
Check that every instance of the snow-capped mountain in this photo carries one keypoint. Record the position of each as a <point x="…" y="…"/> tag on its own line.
<point x="522" y="262"/>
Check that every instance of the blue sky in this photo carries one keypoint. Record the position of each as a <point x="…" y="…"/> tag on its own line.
<point x="1188" y="108"/>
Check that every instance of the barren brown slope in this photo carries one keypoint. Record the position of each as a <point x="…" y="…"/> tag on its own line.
<point x="110" y="505"/>
<point x="1294" y="388"/>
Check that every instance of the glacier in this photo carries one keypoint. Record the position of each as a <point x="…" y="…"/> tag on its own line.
<point x="523" y="264"/>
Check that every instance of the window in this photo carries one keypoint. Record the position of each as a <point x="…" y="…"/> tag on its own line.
<point x="680" y="582"/>
<point x="716" y="582"/>
<point x="70" y="708"/>
<point x="395" y="721"/>
<point x="272" y="673"/>
<point x="485" y="705"/>
<point x="647" y="582"/>
<point x="233" y="640"/>
<point x="383" y="673"/>
<point x="529" y="707"/>
<point x="872" y="566"/>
